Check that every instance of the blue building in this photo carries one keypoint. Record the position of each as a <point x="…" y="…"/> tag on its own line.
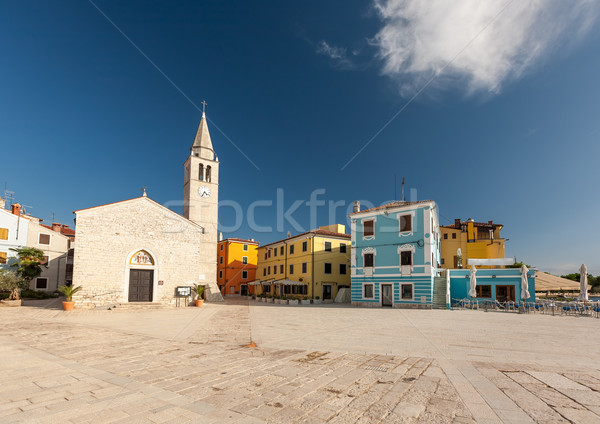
<point x="395" y="256"/>
<point x="501" y="284"/>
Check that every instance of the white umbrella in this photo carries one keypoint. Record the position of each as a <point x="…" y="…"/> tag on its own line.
<point x="473" y="291"/>
<point x="458" y="258"/>
<point x="583" y="285"/>
<point x="524" y="283"/>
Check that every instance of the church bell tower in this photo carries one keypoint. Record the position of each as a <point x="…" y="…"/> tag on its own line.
<point x="201" y="184"/>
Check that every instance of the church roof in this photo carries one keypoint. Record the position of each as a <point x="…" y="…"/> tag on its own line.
<point x="202" y="140"/>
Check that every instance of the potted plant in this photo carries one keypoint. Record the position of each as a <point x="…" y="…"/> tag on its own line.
<point x="198" y="290"/>
<point x="305" y="301"/>
<point x="317" y="300"/>
<point x="11" y="282"/>
<point x="68" y="292"/>
<point x="293" y="300"/>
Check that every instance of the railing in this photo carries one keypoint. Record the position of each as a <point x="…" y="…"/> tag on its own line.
<point x="546" y="307"/>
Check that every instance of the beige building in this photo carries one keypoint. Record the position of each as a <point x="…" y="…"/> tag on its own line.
<point x="140" y="251"/>
<point x="55" y="247"/>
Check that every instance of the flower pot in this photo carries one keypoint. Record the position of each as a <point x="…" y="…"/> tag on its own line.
<point x="68" y="306"/>
<point x="199" y="302"/>
<point x="293" y="302"/>
<point x="305" y="302"/>
<point x="317" y="301"/>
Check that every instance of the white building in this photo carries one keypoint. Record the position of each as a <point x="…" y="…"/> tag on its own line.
<point x="140" y="251"/>
<point x="13" y="232"/>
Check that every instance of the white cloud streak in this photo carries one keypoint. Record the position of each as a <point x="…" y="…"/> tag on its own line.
<point x="338" y="55"/>
<point x="480" y="43"/>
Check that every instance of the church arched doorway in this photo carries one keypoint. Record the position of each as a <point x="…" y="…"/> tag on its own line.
<point x="141" y="277"/>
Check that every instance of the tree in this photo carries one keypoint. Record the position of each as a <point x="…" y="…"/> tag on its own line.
<point x="29" y="264"/>
<point x="11" y="282"/>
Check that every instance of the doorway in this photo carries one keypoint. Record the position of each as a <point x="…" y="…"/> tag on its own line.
<point x="140" y="285"/>
<point x="244" y="290"/>
<point x="386" y="295"/>
<point x="505" y="293"/>
<point x="327" y="291"/>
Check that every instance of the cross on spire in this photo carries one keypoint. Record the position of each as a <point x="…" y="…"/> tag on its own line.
<point x="203" y="106"/>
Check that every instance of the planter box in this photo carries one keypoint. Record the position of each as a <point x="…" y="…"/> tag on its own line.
<point x="328" y="301"/>
<point x="317" y="301"/>
<point x="11" y="302"/>
<point x="305" y="302"/>
<point x="282" y="301"/>
<point x="292" y="302"/>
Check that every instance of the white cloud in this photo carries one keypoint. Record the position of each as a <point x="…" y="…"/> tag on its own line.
<point x="486" y="42"/>
<point x="338" y="55"/>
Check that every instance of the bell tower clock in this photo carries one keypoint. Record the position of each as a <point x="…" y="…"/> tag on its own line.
<point x="201" y="183"/>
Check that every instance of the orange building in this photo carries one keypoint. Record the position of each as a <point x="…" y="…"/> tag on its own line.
<point x="236" y="265"/>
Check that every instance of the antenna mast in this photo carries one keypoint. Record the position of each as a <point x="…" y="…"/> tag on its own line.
<point x="403" y="190"/>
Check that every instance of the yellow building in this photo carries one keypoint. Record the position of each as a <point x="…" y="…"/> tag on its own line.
<point x="476" y="240"/>
<point x="315" y="264"/>
<point x="236" y="265"/>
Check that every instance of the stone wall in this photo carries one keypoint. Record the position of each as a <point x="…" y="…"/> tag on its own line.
<point x="108" y="235"/>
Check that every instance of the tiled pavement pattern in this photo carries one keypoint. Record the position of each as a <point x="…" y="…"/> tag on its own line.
<point x="191" y="365"/>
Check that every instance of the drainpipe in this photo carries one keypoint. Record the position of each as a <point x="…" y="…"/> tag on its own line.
<point x="312" y="270"/>
<point x="285" y="265"/>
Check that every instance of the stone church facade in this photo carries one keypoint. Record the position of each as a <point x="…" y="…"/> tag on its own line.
<point x="138" y="251"/>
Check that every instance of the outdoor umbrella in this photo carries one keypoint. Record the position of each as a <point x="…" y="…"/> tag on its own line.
<point x="473" y="291"/>
<point x="524" y="283"/>
<point x="583" y="285"/>
<point x="458" y="258"/>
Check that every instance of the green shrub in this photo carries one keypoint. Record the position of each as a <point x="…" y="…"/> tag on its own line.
<point x="37" y="294"/>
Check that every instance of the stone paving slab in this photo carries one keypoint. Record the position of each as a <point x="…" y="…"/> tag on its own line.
<point x="191" y="365"/>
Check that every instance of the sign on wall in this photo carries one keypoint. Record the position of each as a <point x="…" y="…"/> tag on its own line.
<point x="183" y="291"/>
<point x="141" y="258"/>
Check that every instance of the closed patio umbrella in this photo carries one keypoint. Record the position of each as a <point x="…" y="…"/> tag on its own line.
<point x="473" y="291"/>
<point x="583" y="284"/>
<point x="524" y="283"/>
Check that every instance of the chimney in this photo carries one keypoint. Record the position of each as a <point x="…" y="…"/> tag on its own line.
<point x="56" y="227"/>
<point x="65" y="226"/>
<point x="457" y="222"/>
<point x="220" y="236"/>
<point x="356" y="206"/>
<point x="491" y="222"/>
<point x="16" y="209"/>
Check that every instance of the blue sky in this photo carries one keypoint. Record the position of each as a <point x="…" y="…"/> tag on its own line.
<point x="504" y="127"/>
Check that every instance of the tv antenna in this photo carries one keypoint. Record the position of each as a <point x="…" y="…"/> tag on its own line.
<point x="403" y="190"/>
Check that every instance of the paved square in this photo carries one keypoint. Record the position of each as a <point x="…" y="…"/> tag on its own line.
<point x="325" y="363"/>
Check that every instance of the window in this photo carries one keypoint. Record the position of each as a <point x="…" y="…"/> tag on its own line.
<point x="445" y="236"/>
<point x="368" y="291"/>
<point x="244" y="275"/>
<point x="221" y="274"/>
<point x="281" y="270"/>
<point x="328" y="246"/>
<point x="269" y="270"/>
<point x="343" y="269"/>
<point x="264" y="272"/>
<point x="291" y="249"/>
<point x="245" y="260"/>
<point x="265" y="255"/>
<point x="282" y="250"/>
<point x="41" y="283"/>
<point x="406" y="291"/>
<point x="343" y="248"/>
<point x="484" y="291"/>
<point x="327" y="268"/>
<point x="269" y="253"/>
<point x="3" y="257"/>
<point x="201" y="172"/>
<point x="406" y="257"/>
<point x="304" y="246"/>
<point x="245" y="248"/>
<point x="443" y="261"/>
<point x="453" y="235"/>
<point x="304" y="268"/>
<point x="368" y="228"/>
<point x="274" y="269"/>
<point x="405" y="223"/>
<point x="208" y="174"/>
<point x="44" y="239"/>
<point x="291" y="269"/>
<point x="221" y="259"/>
<point x="45" y="261"/>
<point x="275" y="252"/>
<point x="3" y="233"/>
<point x="221" y="248"/>
<point x="369" y="260"/>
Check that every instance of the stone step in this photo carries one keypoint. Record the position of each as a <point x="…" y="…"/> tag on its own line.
<point x="140" y="305"/>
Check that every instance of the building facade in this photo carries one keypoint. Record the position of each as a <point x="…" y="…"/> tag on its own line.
<point x="476" y="240"/>
<point x="140" y="251"/>
<point x="236" y="265"/>
<point x="13" y="232"/>
<point x="55" y="246"/>
<point x="395" y="254"/>
<point x="315" y="264"/>
<point x="500" y="285"/>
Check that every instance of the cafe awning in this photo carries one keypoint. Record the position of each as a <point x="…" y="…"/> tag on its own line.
<point x="289" y="283"/>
